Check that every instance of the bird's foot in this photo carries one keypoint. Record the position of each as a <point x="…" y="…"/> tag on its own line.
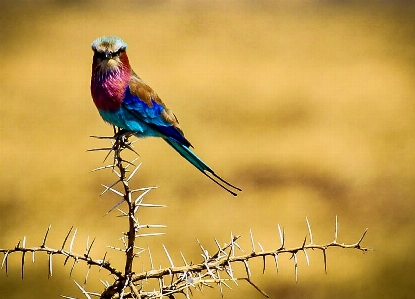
<point x="121" y="138"/>
<point x="122" y="142"/>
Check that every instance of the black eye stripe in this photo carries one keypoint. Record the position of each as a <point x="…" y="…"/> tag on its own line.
<point x="102" y="55"/>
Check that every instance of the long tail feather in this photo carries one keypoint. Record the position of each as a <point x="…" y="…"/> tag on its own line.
<point x="190" y="156"/>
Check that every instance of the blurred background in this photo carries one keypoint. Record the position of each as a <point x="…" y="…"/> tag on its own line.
<point x="308" y="106"/>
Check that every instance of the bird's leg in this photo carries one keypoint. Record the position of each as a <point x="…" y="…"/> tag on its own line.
<point x="121" y="140"/>
<point x="122" y="135"/>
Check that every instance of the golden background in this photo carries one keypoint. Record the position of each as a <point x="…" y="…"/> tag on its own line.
<point x="309" y="107"/>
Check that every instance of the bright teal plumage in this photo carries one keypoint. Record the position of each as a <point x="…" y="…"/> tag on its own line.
<point x="125" y="101"/>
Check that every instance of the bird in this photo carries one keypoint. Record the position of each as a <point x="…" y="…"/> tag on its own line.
<point x="124" y="100"/>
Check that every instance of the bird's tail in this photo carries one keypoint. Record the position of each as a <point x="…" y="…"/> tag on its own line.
<point x="186" y="153"/>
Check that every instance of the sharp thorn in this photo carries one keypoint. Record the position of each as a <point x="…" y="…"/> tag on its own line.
<point x="66" y="238"/>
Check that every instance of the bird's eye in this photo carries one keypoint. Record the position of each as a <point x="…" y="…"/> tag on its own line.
<point x="118" y="52"/>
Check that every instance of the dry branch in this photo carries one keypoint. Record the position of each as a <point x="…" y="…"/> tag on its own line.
<point x="214" y="269"/>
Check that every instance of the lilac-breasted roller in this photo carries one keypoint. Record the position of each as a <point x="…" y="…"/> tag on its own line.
<point x="125" y="101"/>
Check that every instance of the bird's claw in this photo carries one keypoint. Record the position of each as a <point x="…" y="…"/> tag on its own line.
<point x="121" y="141"/>
<point x="121" y="138"/>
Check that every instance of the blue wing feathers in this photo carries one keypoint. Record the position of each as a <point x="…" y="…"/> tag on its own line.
<point x="173" y="134"/>
<point x="148" y="114"/>
<point x="138" y="116"/>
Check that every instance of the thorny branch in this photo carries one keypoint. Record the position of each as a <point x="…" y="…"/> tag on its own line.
<point x="132" y="220"/>
<point x="68" y="254"/>
<point x="182" y="279"/>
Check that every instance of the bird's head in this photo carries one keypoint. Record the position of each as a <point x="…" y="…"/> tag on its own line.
<point x="109" y="53"/>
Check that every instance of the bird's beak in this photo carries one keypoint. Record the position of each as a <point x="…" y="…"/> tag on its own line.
<point x="107" y="54"/>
